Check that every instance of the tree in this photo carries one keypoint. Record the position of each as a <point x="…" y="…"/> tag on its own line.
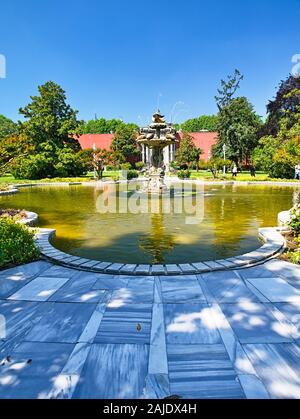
<point x="278" y="155"/>
<point x="49" y="118"/>
<point x="11" y="149"/>
<point x="203" y="122"/>
<point x="237" y="127"/>
<point x="100" y="126"/>
<point x="228" y="89"/>
<point x="187" y="153"/>
<point x="50" y="148"/>
<point x="102" y="158"/>
<point x="215" y="165"/>
<point x="7" y="127"/>
<point x="124" y="142"/>
<point x="285" y="105"/>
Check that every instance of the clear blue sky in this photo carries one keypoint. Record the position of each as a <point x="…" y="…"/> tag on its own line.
<point x="115" y="57"/>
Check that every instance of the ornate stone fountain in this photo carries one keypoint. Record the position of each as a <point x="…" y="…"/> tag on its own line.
<point x="156" y="137"/>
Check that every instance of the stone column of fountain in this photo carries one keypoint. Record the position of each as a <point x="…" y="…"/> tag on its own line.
<point x="156" y="137"/>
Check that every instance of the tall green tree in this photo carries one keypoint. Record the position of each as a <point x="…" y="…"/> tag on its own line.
<point x="188" y="153"/>
<point x="279" y="154"/>
<point x="48" y="118"/>
<point x="285" y="105"/>
<point x="228" y="89"/>
<point x="237" y="123"/>
<point x="100" y="126"/>
<point x="203" y="122"/>
<point x="237" y="127"/>
<point x="124" y="142"/>
<point x="7" y="127"/>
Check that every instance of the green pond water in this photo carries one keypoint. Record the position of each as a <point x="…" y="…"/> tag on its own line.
<point x="227" y="224"/>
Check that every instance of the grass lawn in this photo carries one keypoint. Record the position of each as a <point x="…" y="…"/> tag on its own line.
<point x="8" y="179"/>
<point x="242" y="177"/>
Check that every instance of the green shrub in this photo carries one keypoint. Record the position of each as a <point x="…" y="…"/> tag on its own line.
<point x="184" y="174"/>
<point x="33" y="167"/>
<point x="295" y="219"/>
<point x="69" y="164"/>
<point x="203" y="165"/>
<point x="132" y="174"/>
<point x="17" y="244"/>
<point x="140" y="165"/>
<point x="126" y="166"/>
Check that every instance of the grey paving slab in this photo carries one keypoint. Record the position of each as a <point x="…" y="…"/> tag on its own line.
<point x="201" y="267"/>
<point x="79" y="290"/>
<point x="261" y="271"/>
<point x="110" y="282"/>
<point x="181" y="289"/>
<point x="120" y="324"/>
<point x="65" y="383"/>
<point x="20" y="379"/>
<point x="115" y="267"/>
<point x="17" y="317"/>
<point x="227" y="287"/>
<point x="60" y="271"/>
<point x="128" y="269"/>
<point x="13" y="279"/>
<point x="190" y="324"/>
<point x="138" y="290"/>
<point x="255" y="323"/>
<point x="39" y="289"/>
<point x="61" y="322"/>
<point x="202" y="371"/>
<point x="142" y="269"/>
<point x="128" y="363"/>
<point x="276" y="290"/>
<point x="278" y="365"/>
<point x="188" y="268"/>
<point x="158" y="270"/>
<point x="213" y="265"/>
<point x="291" y="312"/>
<point x="173" y="269"/>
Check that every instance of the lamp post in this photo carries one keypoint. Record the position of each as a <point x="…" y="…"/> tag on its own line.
<point x="224" y="151"/>
<point x="94" y="157"/>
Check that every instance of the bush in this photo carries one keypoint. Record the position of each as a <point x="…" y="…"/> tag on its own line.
<point x="132" y="174"/>
<point x="33" y="167"/>
<point x="69" y="164"/>
<point x="184" y="174"/>
<point x="126" y="166"/>
<point x="295" y="219"/>
<point x="17" y="244"/>
<point x="110" y="168"/>
<point x="140" y="165"/>
<point x="203" y="165"/>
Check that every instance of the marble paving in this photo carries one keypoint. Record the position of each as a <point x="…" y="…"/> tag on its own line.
<point x="233" y="334"/>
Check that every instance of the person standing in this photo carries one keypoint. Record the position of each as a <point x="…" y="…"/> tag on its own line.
<point x="297" y="172"/>
<point x="252" y="171"/>
<point x="234" y="171"/>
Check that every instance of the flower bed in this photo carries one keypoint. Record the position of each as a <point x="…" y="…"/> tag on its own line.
<point x="293" y="236"/>
<point x="17" y="245"/>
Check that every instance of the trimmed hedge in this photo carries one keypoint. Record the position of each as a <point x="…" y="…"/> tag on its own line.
<point x="17" y="244"/>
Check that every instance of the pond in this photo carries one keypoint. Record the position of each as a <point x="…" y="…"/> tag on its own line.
<point x="226" y="225"/>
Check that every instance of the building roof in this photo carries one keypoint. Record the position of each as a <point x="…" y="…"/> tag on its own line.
<point x="101" y="141"/>
<point x="204" y="140"/>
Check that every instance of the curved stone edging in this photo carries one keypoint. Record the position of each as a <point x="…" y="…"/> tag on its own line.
<point x="9" y="191"/>
<point x="284" y="218"/>
<point x="30" y="220"/>
<point x="274" y="243"/>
